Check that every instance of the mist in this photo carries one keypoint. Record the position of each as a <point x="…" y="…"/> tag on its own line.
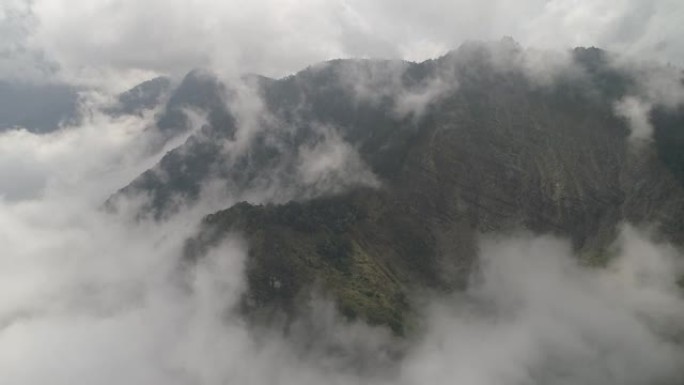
<point x="95" y="291"/>
<point x="88" y="296"/>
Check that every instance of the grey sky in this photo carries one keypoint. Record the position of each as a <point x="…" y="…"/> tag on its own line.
<point x="92" y="40"/>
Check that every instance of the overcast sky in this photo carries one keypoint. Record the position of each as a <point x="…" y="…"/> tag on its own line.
<point x="130" y="39"/>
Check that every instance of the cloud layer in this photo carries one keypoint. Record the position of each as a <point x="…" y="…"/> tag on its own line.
<point x="88" y="296"/>
<point x="276" y="37"/>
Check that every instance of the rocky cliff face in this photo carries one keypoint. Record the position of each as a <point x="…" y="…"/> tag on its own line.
<point x="379" y="175"/>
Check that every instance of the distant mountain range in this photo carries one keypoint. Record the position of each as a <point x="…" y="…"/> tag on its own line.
<point x="36" y="107"/>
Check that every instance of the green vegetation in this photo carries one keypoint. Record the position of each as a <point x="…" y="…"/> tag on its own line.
<point x="321" y="243"/>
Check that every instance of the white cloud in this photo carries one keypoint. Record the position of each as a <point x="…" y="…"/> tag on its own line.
<point x="332" y="165"/>
<point x="99" y="155"/>
<point x="535" y="316"/>
<point x="127" y="38"/>
<point x="637" y="113"/>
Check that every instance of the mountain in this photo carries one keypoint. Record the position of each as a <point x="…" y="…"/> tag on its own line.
<point x="370" y="180"/>
<point x="145" y="96"/>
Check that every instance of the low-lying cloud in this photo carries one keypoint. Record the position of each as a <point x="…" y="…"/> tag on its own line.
<point x="533" y="315"/>
<point x="89" y="297"/>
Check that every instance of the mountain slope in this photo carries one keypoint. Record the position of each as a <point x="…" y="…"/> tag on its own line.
<point x="433" y="154"/>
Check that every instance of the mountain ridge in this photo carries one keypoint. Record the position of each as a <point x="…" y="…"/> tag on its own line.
<point x="427" y="156"/>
